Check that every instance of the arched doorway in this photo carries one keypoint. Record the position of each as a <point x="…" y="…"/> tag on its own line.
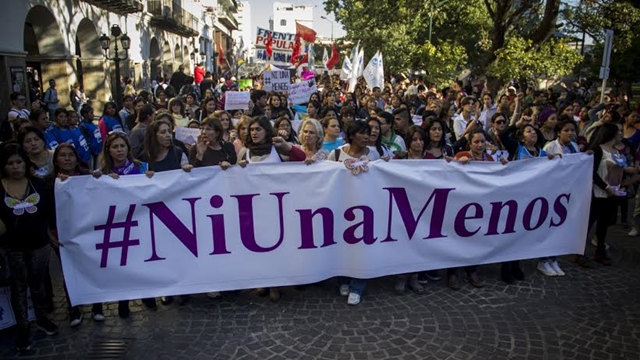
<point x="187" y="60"/>
<point x="154" y="59"/>
<point x="47" y="55"/>
<point x="178" y="56"/>
<point x="90" y="64"/>
<point x="167" y="60"/>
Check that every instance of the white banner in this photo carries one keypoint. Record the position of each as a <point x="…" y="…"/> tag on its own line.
<point x="187" y="135"/>
<point x="286" y="224"/>
<point x="276" y="80"/>
<point x="300" y="92"/>
<point x="237" y="100"/>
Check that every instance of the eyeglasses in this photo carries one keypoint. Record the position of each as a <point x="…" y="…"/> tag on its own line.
<point x="501" y="122"/>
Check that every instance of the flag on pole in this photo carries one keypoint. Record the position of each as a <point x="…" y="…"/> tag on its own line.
<point x="311" y="56"/>
<point x="346" y="69"/>
<point x="374" y="72"/>
<point x="325" y="58"/>
<point x="356" y="71"/>
<point x="220" y="55"/>
<point x="303" y="60"/>
<point x="307" y="34"/>
<point x="333" y="61"/>
<point x="296" y="50"/>
<point x="360" y="65"/>
<point x="269" y="46"/>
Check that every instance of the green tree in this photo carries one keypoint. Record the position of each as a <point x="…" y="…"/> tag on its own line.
<point x="485" y="29"/>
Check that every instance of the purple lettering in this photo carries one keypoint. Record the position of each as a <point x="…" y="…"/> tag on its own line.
<point x="439" y="197"/>
<point x="459" y="226"/>
<point x="528" y="214"/>
<point x="560" y="209"/>
<point x="187" y="237"/>
<point x="306" y="227"/>
<point x="217" y="227"/>
<point x="367" y="223"/>
<point x="247" y="229"/>
<point x="496" y="215"/>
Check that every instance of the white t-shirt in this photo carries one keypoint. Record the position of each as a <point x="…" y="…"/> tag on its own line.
<point x="372" y="155"/>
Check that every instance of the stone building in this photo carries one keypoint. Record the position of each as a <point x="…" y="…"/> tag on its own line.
<point x="44" y="39"/>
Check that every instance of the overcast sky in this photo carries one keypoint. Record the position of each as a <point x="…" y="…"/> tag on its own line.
<point x="262" y="10"/>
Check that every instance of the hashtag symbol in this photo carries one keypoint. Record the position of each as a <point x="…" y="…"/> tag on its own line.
<point x="126" y="241"/>
<point x="267" y="81"/>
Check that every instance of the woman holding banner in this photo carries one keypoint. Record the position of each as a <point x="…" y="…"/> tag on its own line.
<point x="357" y="150"/>
<point x="436" y="146"/>
<point x="262" y="145"/>
<point x="312" y="137"/>
<point x="117" y="160"/>
<point x="27" y="219"/>
<point x="375" y="140"/>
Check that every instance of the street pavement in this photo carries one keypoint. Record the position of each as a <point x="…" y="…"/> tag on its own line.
<point x="587" y="314"/>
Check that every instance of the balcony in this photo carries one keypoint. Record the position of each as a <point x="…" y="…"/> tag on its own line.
<point x="226" y="15"/>
<point x="118" y="6"/>
<point x="170" y="16"/>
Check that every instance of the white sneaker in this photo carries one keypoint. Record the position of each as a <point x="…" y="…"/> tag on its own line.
<point x="354" y="299"/>
<point x="594" y="241"/>
<point x="344" y="290"/>
<point x="545" y="268"/>
<point x="556" y="268"/>
<point x="214" y="294"/>
<point x="633" y="232"/>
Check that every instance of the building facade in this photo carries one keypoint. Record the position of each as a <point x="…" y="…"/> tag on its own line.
<point x="286" y="15"/>
<point x="59" y="39"/>
<point x="244" y="35"/>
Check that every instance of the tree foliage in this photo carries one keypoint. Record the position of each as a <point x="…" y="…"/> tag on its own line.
<point x="485" y="29"/>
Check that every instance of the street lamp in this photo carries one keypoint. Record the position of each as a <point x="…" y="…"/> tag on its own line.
<point x="324" y="17"/>
<point x="125" y="42"/>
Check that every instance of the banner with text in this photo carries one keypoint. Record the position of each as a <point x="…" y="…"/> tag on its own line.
<point x="287" y="224"/>
<point x="276" y="80"/>
<point x="300" y="92"/>
<point x="237" y="100"/>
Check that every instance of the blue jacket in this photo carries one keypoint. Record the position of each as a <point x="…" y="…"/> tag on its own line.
<point x="91" y="133"/>
<point x="56" y="136"/>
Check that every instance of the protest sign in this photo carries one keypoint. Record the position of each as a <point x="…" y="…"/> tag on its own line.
<point x="237" y="100"/>
<point x="276" y="80"/>
<point x="286" y="224"/>
<point x="187" y="135"/>
<point x="300" y="92"/>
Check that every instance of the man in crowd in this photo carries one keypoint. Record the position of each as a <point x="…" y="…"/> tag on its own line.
<point x="50" y="98"/>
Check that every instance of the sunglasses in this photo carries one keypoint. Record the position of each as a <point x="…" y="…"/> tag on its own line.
<point x="501" y="122"/>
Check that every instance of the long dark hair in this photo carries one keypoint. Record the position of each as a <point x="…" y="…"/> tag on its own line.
<point x="604" y="134"/>
<point x="151" y="144"/>
<point x="427" y="125"/>
<point x="378" y="145"/>
<point x="79" y="169"/>
<point x="106" y="161"/>
<point x="264" y="123"/>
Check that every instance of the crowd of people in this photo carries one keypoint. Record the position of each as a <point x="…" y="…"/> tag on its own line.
<point x="404" y="120"/>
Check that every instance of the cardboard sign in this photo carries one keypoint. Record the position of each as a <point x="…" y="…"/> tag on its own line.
<point x="299" y="93"/>
<point x="187" y="135"/>
<point x="237" y="100"/>
<point x="277" y="80"/>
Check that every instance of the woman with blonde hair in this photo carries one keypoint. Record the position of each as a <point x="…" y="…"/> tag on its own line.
<point x="241" y="132"/>
<point x="311" y="140"/>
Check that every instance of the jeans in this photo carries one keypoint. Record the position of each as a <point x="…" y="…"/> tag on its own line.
<point x="603" y="210"/>
<point x="27" y="272"/>
<point x="355" y="285"/>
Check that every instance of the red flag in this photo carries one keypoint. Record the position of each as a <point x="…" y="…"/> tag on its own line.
<point x="269" y="49"/>
<point x="334" y="59"/>
<point x="304" y="59"/>
<point x="307" y="34"/>
<point x="220" y="54"/>
<point x="296" y="50"/>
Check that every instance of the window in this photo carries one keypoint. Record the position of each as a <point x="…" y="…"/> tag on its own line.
<point x="283" y="22"/>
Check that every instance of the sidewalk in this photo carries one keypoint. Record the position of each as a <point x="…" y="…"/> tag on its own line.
<point x="588" y="314"/>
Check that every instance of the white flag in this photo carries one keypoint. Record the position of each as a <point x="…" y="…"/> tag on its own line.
<point x="325" y="58"/>
<point x="357" y="70"/>
<point x="374" y="72"/>
<point x="346" y="69"/>
<point x="360" y="63"/>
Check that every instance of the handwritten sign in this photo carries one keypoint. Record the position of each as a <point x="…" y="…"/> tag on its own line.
<point x="299" y="93"/>
<point x="277" y="81"/>
<point x="417" y="119"/>
<point x="187" y="135"/>
<point x="237" y="100"/>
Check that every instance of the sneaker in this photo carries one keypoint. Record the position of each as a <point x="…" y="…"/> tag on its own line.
<point x="423" y="278"/>
<point x="354" y="299"/>
<point x="556" y="267"/>
<point x="344" y="290"/>
<point x="47" y="326"/>
<point x="433" y="275"/>
<point x="75" y="317"/>
<point x="97" y="316"/>
<point x="415" y="285"/>
<point x="545" y="268"/>
<point x="216" y="294"/>
<point x="401" y="287"/>
<point x="633" y="232"/>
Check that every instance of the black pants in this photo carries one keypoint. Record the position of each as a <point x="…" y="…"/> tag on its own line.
<point x="604" y="211"/>
<point x="27" y="270"/>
